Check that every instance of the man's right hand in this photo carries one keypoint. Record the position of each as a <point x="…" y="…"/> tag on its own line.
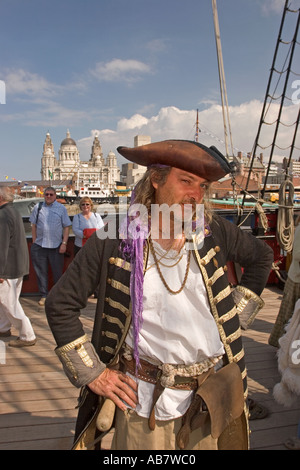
<point x="117" y="386"/>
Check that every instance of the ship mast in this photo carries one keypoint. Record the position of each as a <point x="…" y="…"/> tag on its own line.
<point x="283" y="71"/>
<point x="225" y="110"/>
<point x="197" y="128"/>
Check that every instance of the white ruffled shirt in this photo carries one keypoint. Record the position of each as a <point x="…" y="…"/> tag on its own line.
<point x="177" y="329"/>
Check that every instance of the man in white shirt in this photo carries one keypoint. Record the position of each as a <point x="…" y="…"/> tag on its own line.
<point x="166" y="349"/>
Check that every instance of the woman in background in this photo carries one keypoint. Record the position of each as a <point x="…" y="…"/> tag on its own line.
<point x="86" y="219"/>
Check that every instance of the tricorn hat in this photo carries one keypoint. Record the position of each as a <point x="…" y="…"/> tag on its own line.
<point x="206" y="162"/>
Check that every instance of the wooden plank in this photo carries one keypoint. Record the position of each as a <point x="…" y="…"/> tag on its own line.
<point x="34" y="432"/>
<point x="51" y="394"/>
<point x="37" y="402"/>
<point x="38" y="406"/>
<point x="42" y="385"/>
<point x="44" y="443"/>
<point x="261" y="362"/>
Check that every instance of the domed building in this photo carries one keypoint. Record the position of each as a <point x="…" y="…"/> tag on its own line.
<point x="69" y="168"/>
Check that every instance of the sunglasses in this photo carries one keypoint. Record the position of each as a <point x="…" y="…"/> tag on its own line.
<point x="85" y="204"/>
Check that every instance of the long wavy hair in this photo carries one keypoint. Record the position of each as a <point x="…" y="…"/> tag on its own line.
<point x="144" y="192"/>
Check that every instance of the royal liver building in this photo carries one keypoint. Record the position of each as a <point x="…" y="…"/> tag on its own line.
<point x="68" y="167"/>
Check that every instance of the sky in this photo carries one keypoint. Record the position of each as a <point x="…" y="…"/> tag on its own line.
<point x="121" y="68"/>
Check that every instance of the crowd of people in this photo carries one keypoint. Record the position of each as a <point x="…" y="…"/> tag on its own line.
<point x="50" y="225"/>
<point x="165" y="363"/>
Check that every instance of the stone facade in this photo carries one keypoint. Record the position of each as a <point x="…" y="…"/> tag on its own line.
<point x="69" y="168"/>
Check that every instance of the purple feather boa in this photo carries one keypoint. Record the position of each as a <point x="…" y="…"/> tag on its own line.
<point x="134" y="233"/>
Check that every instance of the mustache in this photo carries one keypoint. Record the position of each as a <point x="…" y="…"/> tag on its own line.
<point x="189" y="201"/>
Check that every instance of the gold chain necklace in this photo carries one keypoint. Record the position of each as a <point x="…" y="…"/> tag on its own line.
<point x="160" y="273"/>
<point x="165" y="256"/>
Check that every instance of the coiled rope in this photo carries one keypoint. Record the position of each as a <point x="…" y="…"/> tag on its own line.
<point x="262" y="216"/>
<point x="285" y="219"/>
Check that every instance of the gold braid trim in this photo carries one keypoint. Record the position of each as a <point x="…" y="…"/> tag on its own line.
<point x="210" y="254"/>
<point x="78" y="346"/>
<point x="212" y="303"/>
<point x="248" y="295"/>
<point x="244" y="373"/>
<point x="114" y="320"/>
<point x="117" y="305"/>
<point x="227" y="316"/>
<point x="217" y="274"/>
<point x="233" y="336"/>
<point x="222" y="295"/>
<point x="239" y="356"/>
<point x="77" y="342"/>
<point x="121" y="263"/>
<point x="108" y="349"/>
<point x="68" y="363"/>
<point x="119" y="286"/>
<point x="110" y="335"/>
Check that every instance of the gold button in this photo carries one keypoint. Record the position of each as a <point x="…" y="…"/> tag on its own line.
<point x="217" y="249"/>
<point x="112" y="260"/>
<point x="108" y="280"/>
<point x="203" y="262"/>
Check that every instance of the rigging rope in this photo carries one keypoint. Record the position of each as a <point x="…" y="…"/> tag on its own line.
<point x="285" y="220"/>
<point x="262" y="216"/>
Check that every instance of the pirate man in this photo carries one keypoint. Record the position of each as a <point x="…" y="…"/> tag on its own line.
<point x="165" y="363"/>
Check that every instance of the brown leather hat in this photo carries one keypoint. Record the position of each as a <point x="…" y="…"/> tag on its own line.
<point x="206" y="162"/>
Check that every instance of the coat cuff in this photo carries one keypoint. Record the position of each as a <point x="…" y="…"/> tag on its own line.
<point x="80" y="361"/>
<point x="248" y="305"/>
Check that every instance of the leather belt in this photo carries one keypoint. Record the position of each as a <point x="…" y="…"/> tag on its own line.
<point x="151" y="373"/>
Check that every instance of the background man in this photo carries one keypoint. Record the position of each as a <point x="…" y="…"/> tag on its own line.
<point x="50" y="232"/>
<point x="14" y="264"/>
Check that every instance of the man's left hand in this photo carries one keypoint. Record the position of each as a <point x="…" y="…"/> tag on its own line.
<point x="62" y="248"/>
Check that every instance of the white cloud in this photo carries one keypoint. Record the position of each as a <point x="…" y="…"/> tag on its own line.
<point x="174" y="123"/>
<point x="135" y="122"/>
<point x="168" y="122"/>
<point x="120" y="70"/>
<point x="272" y="6"/>
<point x="22" y="82"/>
<point x="157" y="45"/>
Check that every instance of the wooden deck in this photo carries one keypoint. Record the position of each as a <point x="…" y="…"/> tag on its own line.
<point x="37" y="402"/>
